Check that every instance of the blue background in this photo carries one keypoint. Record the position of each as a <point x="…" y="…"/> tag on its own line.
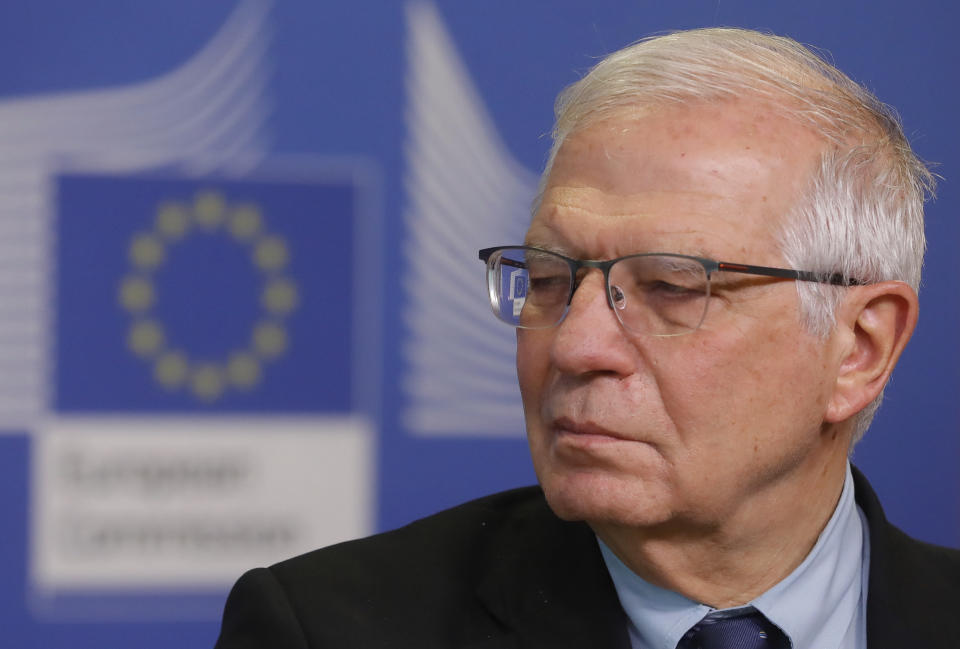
<point x="337" y="89"/>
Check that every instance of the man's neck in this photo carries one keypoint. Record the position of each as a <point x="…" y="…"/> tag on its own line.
<point x="733" y="562"/>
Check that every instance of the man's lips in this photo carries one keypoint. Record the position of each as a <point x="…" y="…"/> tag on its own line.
<point x="564" y="426"/>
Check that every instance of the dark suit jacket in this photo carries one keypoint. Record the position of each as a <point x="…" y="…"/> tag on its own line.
<point x="503" y="571"/>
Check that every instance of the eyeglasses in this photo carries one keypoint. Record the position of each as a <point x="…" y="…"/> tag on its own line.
<point x="659" y="294"/>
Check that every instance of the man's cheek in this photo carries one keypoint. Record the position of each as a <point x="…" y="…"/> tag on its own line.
<point x="532" y="363"/>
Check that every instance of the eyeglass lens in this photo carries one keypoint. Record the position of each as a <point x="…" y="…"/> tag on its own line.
<point x="655" y="294"/>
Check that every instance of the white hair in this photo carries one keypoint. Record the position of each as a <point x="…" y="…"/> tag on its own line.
<point x="861" y="214"/>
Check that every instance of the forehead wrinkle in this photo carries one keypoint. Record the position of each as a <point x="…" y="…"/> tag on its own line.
<point x="562" y="208"/>
<point x="558" y="245"/>
<point x="552" y="230"/>
<point x="616" y="204"/>
<point x="574" y="226"/>
<point x="585" y="201"/>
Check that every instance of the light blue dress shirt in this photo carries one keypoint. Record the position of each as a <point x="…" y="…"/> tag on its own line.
<point x="820" y="605"/>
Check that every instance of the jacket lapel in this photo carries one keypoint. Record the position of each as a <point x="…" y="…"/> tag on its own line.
<point x="547" y="584"/>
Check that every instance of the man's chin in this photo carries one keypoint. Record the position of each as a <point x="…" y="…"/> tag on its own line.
<point x="604" y="501"/>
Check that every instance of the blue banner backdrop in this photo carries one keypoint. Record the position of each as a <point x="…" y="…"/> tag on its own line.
<point x="238" y="243"/>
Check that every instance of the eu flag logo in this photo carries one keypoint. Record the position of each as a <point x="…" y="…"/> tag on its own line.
<point x="199" y="295"/>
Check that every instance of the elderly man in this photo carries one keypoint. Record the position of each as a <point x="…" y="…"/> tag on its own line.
<point x="718" y="280"/>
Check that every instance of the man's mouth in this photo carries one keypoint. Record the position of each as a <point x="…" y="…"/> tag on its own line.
<point x="585" y="429"/>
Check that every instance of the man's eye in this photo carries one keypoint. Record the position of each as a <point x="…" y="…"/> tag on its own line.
<point x="670" y="290"/>
<point x="549" y="283"/>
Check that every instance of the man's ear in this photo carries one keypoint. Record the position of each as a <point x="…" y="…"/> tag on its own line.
<point x="874" y="323"/>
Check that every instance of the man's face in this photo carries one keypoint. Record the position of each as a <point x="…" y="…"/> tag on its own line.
<point x="695" y="429"/>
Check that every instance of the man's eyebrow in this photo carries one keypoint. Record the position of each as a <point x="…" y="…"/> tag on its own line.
<point x="552" y="247"/>
<point x="569" y="252"/>
<point x="701" y="252"/>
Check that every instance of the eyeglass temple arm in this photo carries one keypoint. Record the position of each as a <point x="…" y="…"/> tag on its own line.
<point x="836" y="279"/>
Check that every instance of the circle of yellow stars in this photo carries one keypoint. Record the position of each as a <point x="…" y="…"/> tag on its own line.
<point x="173" y="368"/>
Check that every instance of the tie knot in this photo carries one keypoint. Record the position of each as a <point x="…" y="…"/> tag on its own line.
<point x="747" y="630"/>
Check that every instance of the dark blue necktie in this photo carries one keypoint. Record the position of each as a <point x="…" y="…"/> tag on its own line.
<point x="750" y="630"/>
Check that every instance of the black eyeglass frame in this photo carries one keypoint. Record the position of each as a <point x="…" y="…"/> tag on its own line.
<point x="710" y="266"/>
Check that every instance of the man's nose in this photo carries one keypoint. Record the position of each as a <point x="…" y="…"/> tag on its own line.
<point x="591" y="338"/>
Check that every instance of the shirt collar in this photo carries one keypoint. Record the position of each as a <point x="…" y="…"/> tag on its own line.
<point x="815" y="605"/>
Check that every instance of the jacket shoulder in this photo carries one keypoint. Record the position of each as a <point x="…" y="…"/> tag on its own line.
<point x="448" y="538"/>
<point x="934" y="569"/>
<point x="914" y="585"/>
<point x="415" y="582"/>
<point x="901" y="560"/>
